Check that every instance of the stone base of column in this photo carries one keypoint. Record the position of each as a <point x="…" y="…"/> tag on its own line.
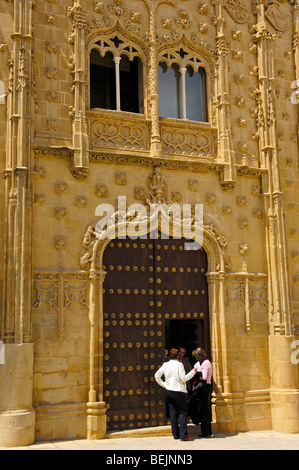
<point x="285" y="410"/>
<point x="17" y="417"/>
<point x="17" y="428"/>
<point x="96" y="420"/>
<point x="284" y="384"/>
<point x="222" y="412"/>
<point x="156" y="148"/>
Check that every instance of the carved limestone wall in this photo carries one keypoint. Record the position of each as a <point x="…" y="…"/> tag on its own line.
<point x="59" y="160"/>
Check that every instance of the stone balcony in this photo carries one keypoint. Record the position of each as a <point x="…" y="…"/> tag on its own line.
<point x="114" y="131"/>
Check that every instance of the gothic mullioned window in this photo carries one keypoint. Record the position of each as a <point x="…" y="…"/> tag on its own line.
<point x="182" y="87"/>
<point x="116" y="77"/>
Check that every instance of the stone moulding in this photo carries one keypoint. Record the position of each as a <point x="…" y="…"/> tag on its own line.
<point x="199" y="164"/>
<point x="64" y="410"/>
<point x="243" y="398"/>
<point x="250" y="171"/>
<point x="179" y="162"/>
<point x="51" y="151"/>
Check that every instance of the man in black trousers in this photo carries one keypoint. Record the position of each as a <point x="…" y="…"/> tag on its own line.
<point x="176" y="393"/>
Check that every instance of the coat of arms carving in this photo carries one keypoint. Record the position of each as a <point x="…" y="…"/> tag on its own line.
<point x="237" y="11"/>
<point x="276" y="17"/>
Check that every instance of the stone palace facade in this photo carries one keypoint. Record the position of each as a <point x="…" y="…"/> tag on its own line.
<point x="165" y="103"/>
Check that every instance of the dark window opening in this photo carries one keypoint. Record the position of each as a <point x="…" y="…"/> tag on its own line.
<point x="130" y="85"/>
<point x="104" y="76"/>
<point x="102" y="81"/>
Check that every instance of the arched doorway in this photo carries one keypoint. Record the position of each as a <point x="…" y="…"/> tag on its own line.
<point x="155" y="297"/>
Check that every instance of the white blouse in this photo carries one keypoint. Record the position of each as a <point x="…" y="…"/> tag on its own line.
<point x="175" y="376"/>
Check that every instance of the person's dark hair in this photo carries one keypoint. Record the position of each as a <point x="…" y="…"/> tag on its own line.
<point x="173" y="353"/>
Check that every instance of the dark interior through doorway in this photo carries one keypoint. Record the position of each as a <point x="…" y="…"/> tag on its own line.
<point x="185" y="333"/>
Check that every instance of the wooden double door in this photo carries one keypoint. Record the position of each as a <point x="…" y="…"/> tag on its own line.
<point x="155" y="298"/>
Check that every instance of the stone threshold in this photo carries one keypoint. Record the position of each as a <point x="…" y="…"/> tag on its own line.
<point x="155" y="431"/>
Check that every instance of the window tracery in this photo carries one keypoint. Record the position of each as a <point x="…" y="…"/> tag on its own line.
<point x="116" y="76"/>
<point x="196" y="67"/>
<point x="182" y="86"/>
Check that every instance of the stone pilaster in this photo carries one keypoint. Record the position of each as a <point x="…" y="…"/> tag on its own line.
<point x="284" y="378"/>
<point x="17" y="422"/>
<point x="226" y="154"/>
<point x="80" y="135"/>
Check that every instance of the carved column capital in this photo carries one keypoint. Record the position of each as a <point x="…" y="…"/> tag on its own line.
<point x="97" y="275"/>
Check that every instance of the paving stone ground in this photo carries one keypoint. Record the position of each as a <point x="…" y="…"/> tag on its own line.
<point x="261" y="440"/>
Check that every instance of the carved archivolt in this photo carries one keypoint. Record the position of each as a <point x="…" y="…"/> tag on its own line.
<point x="95" y="243"/>
<point x="213" y="243"/>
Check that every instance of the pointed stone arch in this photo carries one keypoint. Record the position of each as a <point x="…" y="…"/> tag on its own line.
<point x="130" y="46"/>
<point x="124" y="35"/>
<point x="214" y="245"/>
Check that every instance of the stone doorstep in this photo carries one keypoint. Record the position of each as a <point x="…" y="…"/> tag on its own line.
<point x="149" y="432"/>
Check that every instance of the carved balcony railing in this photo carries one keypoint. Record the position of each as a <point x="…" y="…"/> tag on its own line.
<point x="114" y="131"/>
<point x="190" y="138"/>
<point x="119" y="131"/>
